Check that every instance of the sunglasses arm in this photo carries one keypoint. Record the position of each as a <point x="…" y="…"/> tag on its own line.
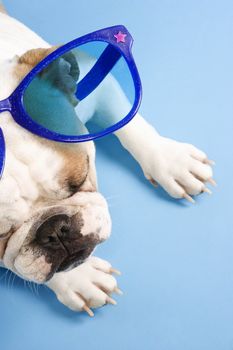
<point x="98" y="72"/>
<point x="2" y="152"/>
<point x="5" y="105"/>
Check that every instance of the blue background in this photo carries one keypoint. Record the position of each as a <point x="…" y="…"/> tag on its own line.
<point x="176" y="258"/>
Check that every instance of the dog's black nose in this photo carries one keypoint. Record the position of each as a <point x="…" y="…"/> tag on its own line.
<point x="54" y="231"/>
<point x="61" y="232"/>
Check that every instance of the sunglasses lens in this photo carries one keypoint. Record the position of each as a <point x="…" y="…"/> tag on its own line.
<point x="85" y="90"/>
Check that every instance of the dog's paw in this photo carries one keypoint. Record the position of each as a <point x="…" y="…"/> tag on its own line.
<point x="87" y="286"/>
<point x="180" y="168"/>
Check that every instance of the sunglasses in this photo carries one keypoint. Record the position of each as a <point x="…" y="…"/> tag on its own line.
<point x="83" y="90"/>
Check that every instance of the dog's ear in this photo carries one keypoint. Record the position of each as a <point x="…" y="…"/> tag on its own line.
<point x="34" y="56"/>
<point x="30" y="59"/>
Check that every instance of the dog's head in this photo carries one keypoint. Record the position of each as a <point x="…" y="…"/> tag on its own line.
<point x="51" y="213"/>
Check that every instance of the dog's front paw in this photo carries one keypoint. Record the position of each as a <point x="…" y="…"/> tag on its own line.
<point x="89" y="285"/>
<point x="180" y="168"/>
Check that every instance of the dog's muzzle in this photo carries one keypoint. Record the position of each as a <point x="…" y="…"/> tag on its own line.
<point x="57" y="238"/>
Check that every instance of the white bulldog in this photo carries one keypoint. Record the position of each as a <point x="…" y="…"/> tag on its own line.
<point x="52" y="215"/>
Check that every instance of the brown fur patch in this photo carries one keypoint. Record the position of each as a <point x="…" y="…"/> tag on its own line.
<point x="75" y="170"/>
<point x="2" y="9"/>
<point x="30" y="59"/>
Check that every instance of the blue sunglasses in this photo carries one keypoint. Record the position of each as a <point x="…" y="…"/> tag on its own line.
<point x="51" y="101"/>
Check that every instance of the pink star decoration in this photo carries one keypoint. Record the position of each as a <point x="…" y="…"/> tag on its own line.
<point x="120" y="37"/>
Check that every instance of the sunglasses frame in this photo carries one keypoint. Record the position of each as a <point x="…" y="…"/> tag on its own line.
<point x="14" y="103"/>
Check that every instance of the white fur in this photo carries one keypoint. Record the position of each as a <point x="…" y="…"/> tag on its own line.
<point x="16" y="38"/>
<point x="29" y="181"/>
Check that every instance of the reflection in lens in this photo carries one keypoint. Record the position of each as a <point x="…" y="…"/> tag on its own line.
<point x="51" y="99"/>
<point x="63" y="74"/>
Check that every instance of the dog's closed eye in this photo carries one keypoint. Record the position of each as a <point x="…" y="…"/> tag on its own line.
<point x="75" y="171"/>
<point x="73" y="186"/>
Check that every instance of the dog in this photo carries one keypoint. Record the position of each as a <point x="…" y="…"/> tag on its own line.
<point x="52" y="214"/>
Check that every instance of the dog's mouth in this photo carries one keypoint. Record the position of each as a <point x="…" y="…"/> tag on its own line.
<point x="75" y="259"/>
<point x="70" y="262"/>
<point x="43" y="264"/>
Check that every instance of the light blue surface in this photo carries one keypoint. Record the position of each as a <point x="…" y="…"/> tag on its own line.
<point x="176" y="258"/>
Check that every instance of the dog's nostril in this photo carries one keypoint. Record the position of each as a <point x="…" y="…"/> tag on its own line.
<point x="65" y="229"/>
<point x="51" y="239"/>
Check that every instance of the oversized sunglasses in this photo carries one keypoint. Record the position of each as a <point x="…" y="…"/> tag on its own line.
<point x="55" y="99"/>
